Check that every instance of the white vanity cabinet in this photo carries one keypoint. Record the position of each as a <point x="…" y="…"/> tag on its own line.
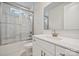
<point x="42" y="48"/>
<point x="46" y="47"/>
<point x="49" y="49"/>
<point x="65" y="52"/>
<point x="36" y="48"/>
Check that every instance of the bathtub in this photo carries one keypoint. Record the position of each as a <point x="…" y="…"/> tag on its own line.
<point x="13" y="49"/>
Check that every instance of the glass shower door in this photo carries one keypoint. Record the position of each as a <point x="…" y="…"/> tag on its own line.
<point x="15" y="24"/>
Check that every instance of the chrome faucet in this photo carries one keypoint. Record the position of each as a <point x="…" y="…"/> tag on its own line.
<point x="54" y="34"/>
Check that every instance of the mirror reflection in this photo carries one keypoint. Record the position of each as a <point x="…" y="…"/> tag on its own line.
<point x="61" y="16"/>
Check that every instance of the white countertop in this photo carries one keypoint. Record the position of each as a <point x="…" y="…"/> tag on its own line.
<point x="69" y="43"/>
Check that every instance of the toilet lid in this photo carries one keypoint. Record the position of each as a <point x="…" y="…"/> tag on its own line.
<point x="28" y="45"/>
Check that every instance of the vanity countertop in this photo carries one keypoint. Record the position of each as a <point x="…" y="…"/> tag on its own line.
<point x="65" y="42"/>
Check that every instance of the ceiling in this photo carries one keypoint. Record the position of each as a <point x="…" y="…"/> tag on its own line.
<point x="53" y="5"/>
<point x="26" y="4"/>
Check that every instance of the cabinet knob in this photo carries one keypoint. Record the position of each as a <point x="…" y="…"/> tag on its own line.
<point x="43" y="53"/>
<point x="34" y="40"/>
<point x="62" y="54"/>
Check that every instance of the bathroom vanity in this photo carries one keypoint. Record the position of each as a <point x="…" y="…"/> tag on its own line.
<point x="46" y="45"/>
<point x="63" y="17"/>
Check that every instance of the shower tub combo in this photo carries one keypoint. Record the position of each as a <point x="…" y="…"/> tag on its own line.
<point x="15" y="26"/>
<point x="16" y="49"/>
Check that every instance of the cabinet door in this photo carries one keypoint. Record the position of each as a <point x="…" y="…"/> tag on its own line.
<point x="60" y="51"/>
<point x="42" y="48"/>
<point x="45" y="53"/>
<point x="64" y="52"/>
<point x="46" y="46"/>
<point x="71" y="53"/>
<point x="36" y="48"/>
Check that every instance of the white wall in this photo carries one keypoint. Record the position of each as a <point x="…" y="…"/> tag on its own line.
<point x="56" y="17"/>
<point x="71" y="16"/>
<point x="38" y="17"/>
<point x="70" y="22"/>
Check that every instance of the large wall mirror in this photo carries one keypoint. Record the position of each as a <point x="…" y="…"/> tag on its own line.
<point x="61" y="16"/>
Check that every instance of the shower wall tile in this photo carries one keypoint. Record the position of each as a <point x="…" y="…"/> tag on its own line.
<point x="4" y="12"/>
<point x="0" y="10"/>
<point x="3" y="31"/>
<point x="11" y="19"/>
<point x="18" y="29"/>
<point x="25" y="29"/>
<point x="23" y="36"/>
<point x="18" y="37"/>
<point x="3" y="18"/>
<point x="17" y="21"/>
<point x="11" y="31"/>
<point x="20" y="19"/>
<point x="24" y="21"/>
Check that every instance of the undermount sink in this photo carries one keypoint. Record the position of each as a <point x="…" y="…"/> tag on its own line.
<point x="51" y="37"/>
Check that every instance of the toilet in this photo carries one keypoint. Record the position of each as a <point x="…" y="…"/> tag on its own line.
<point x="27" y="50"/>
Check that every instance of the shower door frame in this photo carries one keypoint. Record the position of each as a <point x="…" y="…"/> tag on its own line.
<point x="25" y="9"/>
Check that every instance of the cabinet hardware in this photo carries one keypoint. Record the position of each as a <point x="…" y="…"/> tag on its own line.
<point x="43" y="53"/>
<point x="62" y="54"/>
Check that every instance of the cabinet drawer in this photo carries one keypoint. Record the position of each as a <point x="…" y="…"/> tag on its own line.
<point x="47" y="46"/>
<point x="65" y="52"/>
